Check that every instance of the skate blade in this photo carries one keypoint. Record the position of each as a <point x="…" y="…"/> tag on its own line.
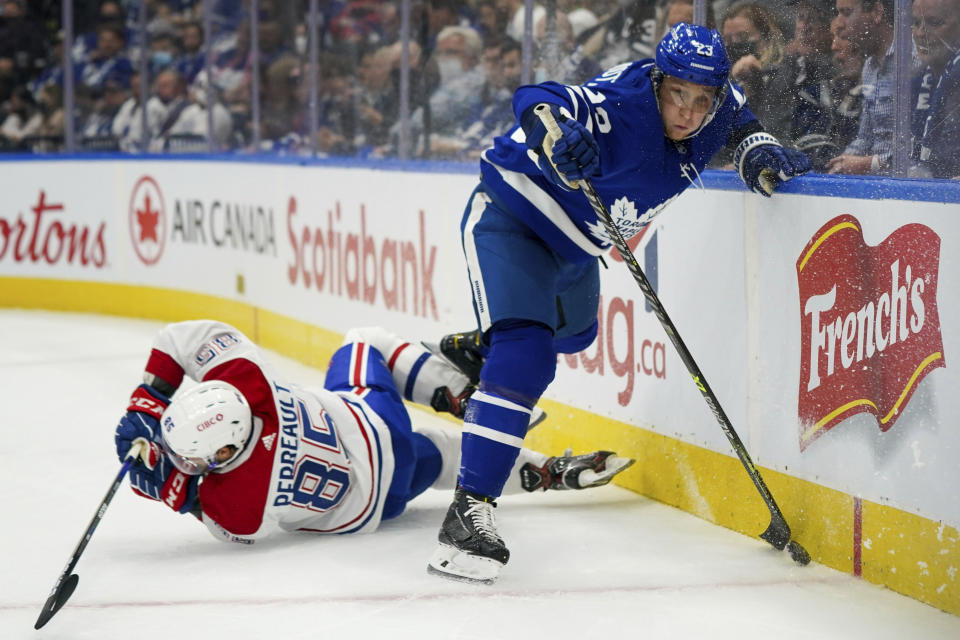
<point x="590" y="478"/>
<point x="453" y="564"/>
<point x="537" y="415"/>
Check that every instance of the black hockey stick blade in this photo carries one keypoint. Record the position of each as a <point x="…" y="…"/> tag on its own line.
<point x="777" y="534"/>
<point x="61" y="593"/>
<point x="67" y="582"/>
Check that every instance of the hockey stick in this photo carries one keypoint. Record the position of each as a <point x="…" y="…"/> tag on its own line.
<point x="67" y="581"/>
<point x="778" y="532"/>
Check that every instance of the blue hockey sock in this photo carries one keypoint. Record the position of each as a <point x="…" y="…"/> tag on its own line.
<point x="520" y="365"/>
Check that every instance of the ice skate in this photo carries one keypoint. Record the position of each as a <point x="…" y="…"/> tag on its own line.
<point x="443" y="400"/>
<point x="573" y="472"/>
<point x="464" y="350"/>
<point x="470" y="548"/>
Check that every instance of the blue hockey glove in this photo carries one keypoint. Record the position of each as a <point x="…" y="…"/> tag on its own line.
<point x="165" y="483"/>
<point x="142" y="422"/>
<point x="571" y="157"/>
<point x="763" y="163"/>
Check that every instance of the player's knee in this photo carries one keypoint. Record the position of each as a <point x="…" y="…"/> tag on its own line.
<point x="521" y="364"/>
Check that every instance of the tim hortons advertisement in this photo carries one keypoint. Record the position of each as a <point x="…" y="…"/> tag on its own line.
<point x="870" y="329"/>
<point x="49" y="231"/>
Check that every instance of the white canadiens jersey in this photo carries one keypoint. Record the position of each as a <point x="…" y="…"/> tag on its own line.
<point x="317" y="460"/>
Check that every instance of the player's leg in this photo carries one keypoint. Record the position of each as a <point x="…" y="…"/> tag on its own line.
<point x="513" y="279"/>
<point x="360" y="369"/>
<point x="419" y="375"/>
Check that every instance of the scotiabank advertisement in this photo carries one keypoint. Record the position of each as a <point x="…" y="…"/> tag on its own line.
<point x="827" y="327"/>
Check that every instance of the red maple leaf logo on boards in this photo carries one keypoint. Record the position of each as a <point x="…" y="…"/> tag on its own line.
<point x="148" y="218"/>
<point x="869" y="324"/>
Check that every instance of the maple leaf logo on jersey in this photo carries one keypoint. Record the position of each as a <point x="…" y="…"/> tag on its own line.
<point x="624" y="216"/>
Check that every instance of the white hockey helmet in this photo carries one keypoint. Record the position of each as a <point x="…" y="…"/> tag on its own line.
<point x="203" y="420"/>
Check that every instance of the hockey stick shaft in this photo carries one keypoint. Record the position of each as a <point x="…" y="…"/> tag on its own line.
<point x="67" y="582"/>
<point x="778" y="532"/>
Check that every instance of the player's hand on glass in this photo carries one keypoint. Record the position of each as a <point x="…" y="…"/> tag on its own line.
<point x="571" y="157"/>
<point x="766" y="166"/>
<point x="142" y="423"/>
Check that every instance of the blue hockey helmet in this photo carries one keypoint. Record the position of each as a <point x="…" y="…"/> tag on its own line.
<point x="695" y="53"/>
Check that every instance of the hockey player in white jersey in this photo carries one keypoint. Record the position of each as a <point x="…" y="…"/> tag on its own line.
<point x="249" y="452"/>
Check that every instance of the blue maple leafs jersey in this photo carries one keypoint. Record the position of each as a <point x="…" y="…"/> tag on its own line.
<point x="641" y="171"/>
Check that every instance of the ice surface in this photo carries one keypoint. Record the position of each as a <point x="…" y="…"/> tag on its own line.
<point x="592" y="564"/>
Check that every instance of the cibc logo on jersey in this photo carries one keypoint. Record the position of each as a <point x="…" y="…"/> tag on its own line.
<point x="203" y="221"/>
<point x="870" y="330"/>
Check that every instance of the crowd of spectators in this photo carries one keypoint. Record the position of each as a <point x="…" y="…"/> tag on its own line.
<point x="820" y="74"/>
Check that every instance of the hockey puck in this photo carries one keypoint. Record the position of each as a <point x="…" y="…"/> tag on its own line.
<point x="798" y="553"/>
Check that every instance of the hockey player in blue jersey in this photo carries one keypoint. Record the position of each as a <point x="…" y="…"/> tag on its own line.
<point x="641" y="132"/>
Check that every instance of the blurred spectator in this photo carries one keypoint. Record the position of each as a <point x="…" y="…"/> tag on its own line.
<point x="440" y="15"/>
<point x="789" y="94"/>
<point x="230" y="65"/>
<point x="560" y="58"/>
<point x="163" y="109"/>
<point x="868" y="25"/>
<point x="361" y="24"/>
<point x="336" y="114"/>
<point x="279" y="99"/>
<point x="170" y="90"/>
<point x="106" y="104"/>
<point x="194" y="121"/>
<point x="236" y="76"/>
<point x="492" y="20"/>
<point x="627" y="33"/>
<point x="580" y="17"/>
<point x="127" y="125"/>
<point x="810" y="70"/>
<point x="271" y="39"/>
<point x="50" y="104"/>
<point x="846" y="92"/>
<point x="22" y="119"/>
<point x="755" y="47"/>
<point x="811" y="31"/>
<point x="22" y="47"/>
<point x="52" y="74"/>
<point x="502" y="62"/>
<point x="108" y="60"/>
<point x="376" y="98"/>
<point x="457" y="59"/>
<point x="110" y="11"/>
<point x="936" y="33"/>
<point x="301" y="41"/>
<point x="191" y="59"/>
<point x="675" y="11"/>
<point x="164" y="50"/>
